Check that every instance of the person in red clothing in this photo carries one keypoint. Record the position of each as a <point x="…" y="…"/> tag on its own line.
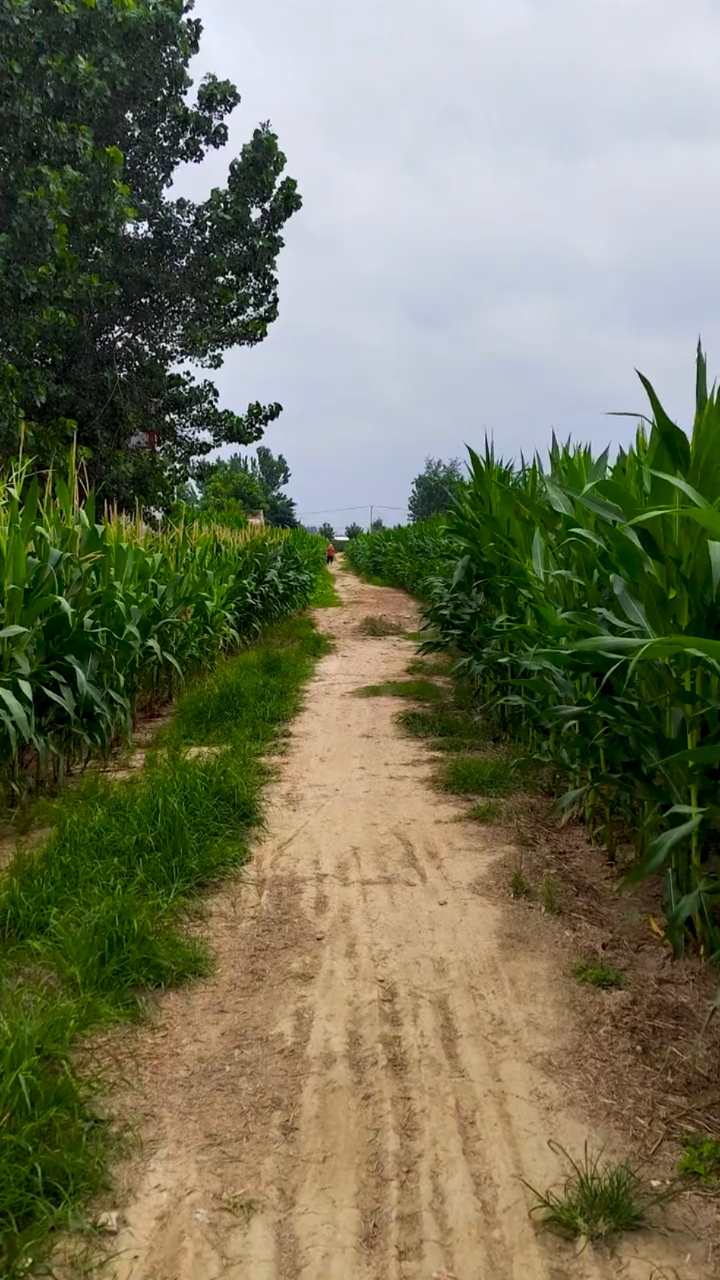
<point x="330" y="553"/>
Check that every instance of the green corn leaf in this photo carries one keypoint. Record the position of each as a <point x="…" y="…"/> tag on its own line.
<point x="660" y="850"/>
<point x="633" y="609"/>
<point x="17" y="711"/>
<point x="714" y="552"/>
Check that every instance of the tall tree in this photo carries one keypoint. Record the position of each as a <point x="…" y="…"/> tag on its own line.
<point x="251" y="484"/>
<point x="230" y="484"/>
<point x="111" y="289"/>
<point x="353" y="531"/>
<point x="432" y="491"/>
<point x="281" y="511"/>
<point x="327" y="532"/>
<point x="273" y="471"/>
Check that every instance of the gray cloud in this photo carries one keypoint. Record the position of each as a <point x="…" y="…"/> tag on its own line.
<point x="508" y="206"/>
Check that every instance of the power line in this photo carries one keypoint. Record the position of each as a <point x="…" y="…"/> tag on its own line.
<point x="331" y="511"/>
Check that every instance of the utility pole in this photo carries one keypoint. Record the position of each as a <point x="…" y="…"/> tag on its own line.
<point x="370" y="529"/>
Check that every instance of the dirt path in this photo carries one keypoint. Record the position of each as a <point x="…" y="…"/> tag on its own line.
<point x="359" y="1091"/>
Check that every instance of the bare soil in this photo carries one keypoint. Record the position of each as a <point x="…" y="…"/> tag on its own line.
<point x="360" y="1091"/>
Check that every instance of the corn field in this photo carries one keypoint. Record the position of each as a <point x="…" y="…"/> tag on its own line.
<point x="582" y="600"/>
<point x="102" y="614"/>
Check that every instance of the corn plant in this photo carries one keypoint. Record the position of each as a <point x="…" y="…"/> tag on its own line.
<point x="102" y="614"/>
<point x="583" y="598"/>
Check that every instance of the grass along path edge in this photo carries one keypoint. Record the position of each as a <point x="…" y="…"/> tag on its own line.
<point x="97" y="918"/>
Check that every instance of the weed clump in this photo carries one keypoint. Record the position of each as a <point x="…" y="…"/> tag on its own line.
<point x="549" y="896"/>
<point x="701" y="1159"/>
<point x="378" y="627"/>
<point x="413" y="690"/>
<point x="598" y="1200"/>
<point x="477" y="775"/>
<point x="439" y="666"/>
<point x="444" y="723"/>
<point x="596" y="973"/>
<point x="520" y="887"/>
<point x="485" y="811"/>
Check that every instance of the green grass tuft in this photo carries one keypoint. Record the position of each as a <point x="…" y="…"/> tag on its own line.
<point x="701" y="1158"/>
<point x="415" y="690"/>
<point x="99" y="916"/>
<point x="549" y="895"/>
<point x="598" y="974"/>
<point x="598" y="1200"/>
<point x="519" y="886"/>
<point x="477" y="775"/>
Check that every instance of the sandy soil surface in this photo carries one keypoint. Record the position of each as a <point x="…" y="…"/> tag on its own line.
<point x="359" y="1092"/>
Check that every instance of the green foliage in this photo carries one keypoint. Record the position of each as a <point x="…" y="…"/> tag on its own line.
<point x="701" y="1158"/>
<point x="353" y="531"/>
<point x="248" y="485"/>
<point x="55" y="1148"/>
<point x="599" y="1200"/>
<point x="407" y="556"/>
<point x="434" y="489"/>
<point x="273" y="473"/>
<point x="327" y="532"/>
<point x="102" y="615"/>
<point x="377" y="524"/>
<point x="281" y="512"/>
<point x="583" y="601"/>
<point x="95" y="919"/>
<point x="224" y="485"/>
<point x="596" y="973"/>
<point x="111" y="288"/>
<point x="325" y="596"/>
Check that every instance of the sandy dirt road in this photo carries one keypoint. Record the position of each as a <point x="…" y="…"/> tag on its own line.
<point x="360" y="1090"/>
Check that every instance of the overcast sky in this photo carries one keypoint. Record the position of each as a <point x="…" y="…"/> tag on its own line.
<point x="508" y="206"/>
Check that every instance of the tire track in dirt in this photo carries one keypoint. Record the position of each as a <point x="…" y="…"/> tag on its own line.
<point x="358" y="1092"/>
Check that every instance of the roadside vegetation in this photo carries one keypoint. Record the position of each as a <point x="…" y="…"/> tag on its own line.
<point x="107" y="912"/>
<point x="104" y="616"/>
<point x="580" y="600"/>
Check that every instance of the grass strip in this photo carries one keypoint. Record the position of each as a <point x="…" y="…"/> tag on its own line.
<point x="325" y="596"/>
<point x="477" y="775"/>
<point x="98" y="917"/>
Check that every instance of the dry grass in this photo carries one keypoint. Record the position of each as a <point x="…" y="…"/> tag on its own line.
<point x="377" y="627"/>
